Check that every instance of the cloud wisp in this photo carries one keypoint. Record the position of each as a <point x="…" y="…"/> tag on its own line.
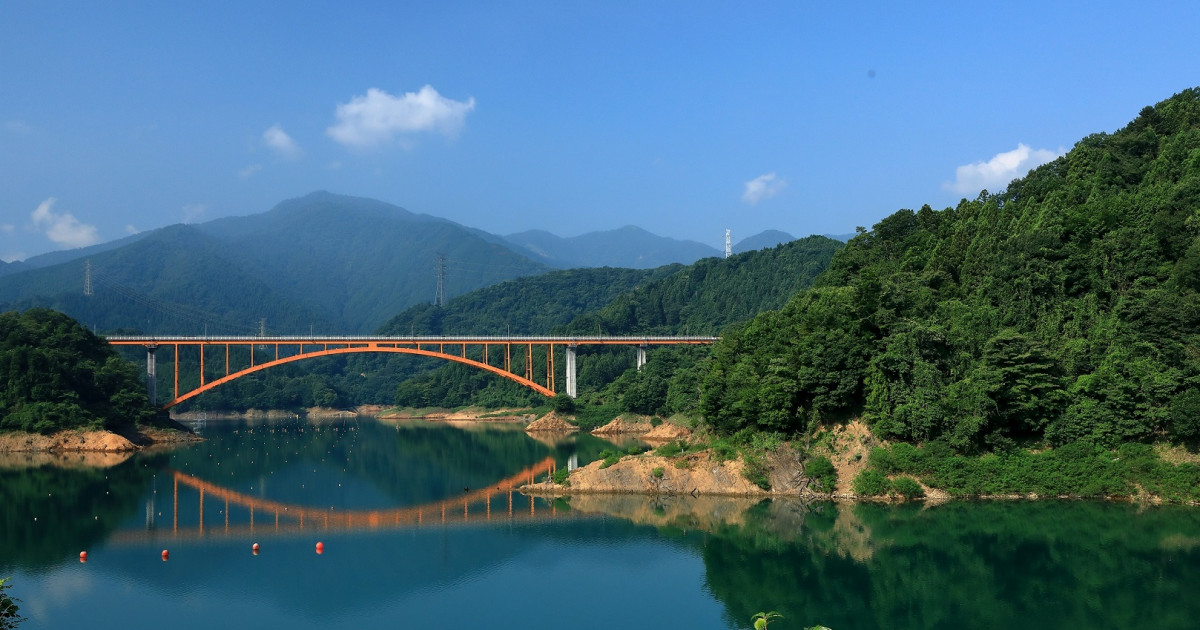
<point x="282" y="144"/>
<point x="996" y="173"/>
<point x="763" y="187"/>
<point x="376" y="117"/>
<point x="63" y="229"/>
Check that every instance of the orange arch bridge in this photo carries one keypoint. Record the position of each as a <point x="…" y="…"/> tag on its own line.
<point x="246" y="355"/>
<point x="274" y="517"/>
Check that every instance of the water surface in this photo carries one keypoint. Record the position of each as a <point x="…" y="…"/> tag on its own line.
<point x="419" y="529"/>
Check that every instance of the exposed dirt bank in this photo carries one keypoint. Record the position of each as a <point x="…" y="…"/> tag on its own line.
<point x="695" y="474"/>
<point x="85" y="448"/>
<point x="551" y="422"/>
<point x="625" y="424"/>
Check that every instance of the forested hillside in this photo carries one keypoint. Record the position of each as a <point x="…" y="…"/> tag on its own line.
<point x="1065" y="307"/>
<point x="323" y="262"/>
<point x="700" y="299"/>
<point x="54" y="375"/>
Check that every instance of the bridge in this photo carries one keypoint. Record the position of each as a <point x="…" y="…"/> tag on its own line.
<point x="497" y="354"/>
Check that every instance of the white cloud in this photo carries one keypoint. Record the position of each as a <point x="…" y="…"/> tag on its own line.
<point x="13" y="256"/>
<point x="996" y="173"/>
<point x="193" y="211"/>
<point x="130" y="229"/>
<point x="8" y="228"/>
<point x="249" y="171"/>
<point x="278" y="141"/>
<point x="763" y="187"/>
<point x="376" y="117"/>
<point x="63" y="229"/>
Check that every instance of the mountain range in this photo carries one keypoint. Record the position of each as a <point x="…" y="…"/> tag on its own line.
<point x="323" y="262"/>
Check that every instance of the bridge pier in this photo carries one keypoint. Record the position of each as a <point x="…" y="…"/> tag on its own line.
<point x="152" y="374"/>
<point x="572" y="390"/>
<point x="641" y="357"/>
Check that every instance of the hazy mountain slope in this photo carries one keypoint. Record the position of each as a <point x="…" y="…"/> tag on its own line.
<point x="361" y="261"/>
<point x="172" y="280"/>
<point x="630" y="247"/>
<point x="762" y="240"/>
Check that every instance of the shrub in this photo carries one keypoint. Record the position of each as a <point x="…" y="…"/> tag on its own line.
<point x="822" y="472"/>
<point x="609" y="457"/>
<point x="560" y="477"/>
<point x="658" y="471"/>
<point x="871" y="482"/>
<point x="907" y="487"/>
<point x="756" y="471"/>
<point x="670" y="449"/>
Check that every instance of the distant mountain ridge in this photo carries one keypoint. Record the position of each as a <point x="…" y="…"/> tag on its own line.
<point x="629" y="246"/>
<point x="341" y="263"/>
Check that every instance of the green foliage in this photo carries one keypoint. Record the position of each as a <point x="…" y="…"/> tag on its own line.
<point x="609" y="457"/>
<point x="670" y="449"/>
<point x="1078" y="469"/>
<point x="755" y="469"/>
<point x="698" y="299"/>
<point x="560" y="476"/>
<point x="763" y="619"/>
<point x="824" y="476"/>
<point x="658" y="472"/>
<point x="907" y="487"/>
<point x="56" y="375"/>
<point x="1064" y="308"/>
<point x="871" y="482"/>
<point x="10" y="616"/>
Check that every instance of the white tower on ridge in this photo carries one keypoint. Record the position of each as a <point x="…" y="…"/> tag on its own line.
<point x="728" y="244"/>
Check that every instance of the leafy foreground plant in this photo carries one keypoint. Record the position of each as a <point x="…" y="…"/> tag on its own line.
<point x="762" y="619"/>
<point x="9" y="617"/>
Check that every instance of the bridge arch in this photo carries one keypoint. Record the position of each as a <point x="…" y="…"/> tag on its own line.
<point x="210" y="385"/>
<point x="313" y="346"/>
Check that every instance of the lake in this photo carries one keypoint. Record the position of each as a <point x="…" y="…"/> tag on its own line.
<point x="419" y="529"/>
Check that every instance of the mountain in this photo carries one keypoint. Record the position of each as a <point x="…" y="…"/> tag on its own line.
<point x="762" y="240"/>
<point x="343" y="264"/>
<point x="629" y="247"/>
<point x="1063" y="309"/>
<point x="56" y="258"/>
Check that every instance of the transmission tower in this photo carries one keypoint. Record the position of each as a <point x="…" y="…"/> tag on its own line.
<point x="87" y="277"/>
<point x="728" y="244"/>
<point x="439" y="297"/>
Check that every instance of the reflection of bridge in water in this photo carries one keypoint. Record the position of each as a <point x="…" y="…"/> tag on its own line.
<point x="268" y="517"/>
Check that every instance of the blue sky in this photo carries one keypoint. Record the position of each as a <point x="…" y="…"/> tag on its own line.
<point x="685" y="118"/>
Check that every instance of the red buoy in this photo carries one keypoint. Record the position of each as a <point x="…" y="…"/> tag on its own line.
<point x="254" y="548"/>
<point x="165" y="554"/>
<point x="320" y="547"/>
<point x="83" y="556"/>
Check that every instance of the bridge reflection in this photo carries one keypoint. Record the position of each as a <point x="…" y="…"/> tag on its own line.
<point x="270" y="518"/>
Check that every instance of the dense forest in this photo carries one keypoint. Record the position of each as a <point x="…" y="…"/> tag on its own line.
<point x="57" y="375"/>
<point x="699" y="299"/>
<point x="1062" y="308"/>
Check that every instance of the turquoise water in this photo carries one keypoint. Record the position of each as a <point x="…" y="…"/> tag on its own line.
<point x="416" y="533"/>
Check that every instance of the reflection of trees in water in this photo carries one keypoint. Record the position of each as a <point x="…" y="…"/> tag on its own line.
<point x="999" y="564"/>
<point x="51" y="513"/>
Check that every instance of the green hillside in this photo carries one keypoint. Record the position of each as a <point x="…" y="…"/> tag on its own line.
<point x="698" y="299"/>
<point x="54" y="375"/>
<point x="1062" y="308"/>
<point x="327" y="262"/>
